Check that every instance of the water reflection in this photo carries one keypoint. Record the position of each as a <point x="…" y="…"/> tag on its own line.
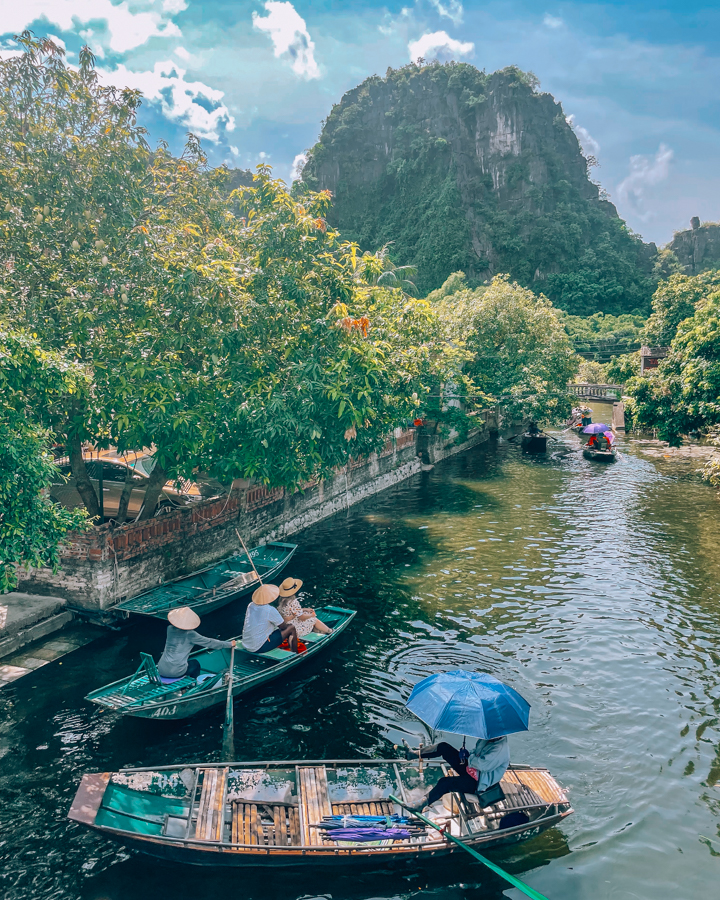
<point x="592" y="589"/>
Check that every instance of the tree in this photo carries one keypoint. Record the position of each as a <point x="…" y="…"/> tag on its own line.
<point x="520" y="354"/>
<point x="234" y="333"/>
<point x="683" y="395"/>
<point x="674" y="301"/>
<point x="32" y="527"/>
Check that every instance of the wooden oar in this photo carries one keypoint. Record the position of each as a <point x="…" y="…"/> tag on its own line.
<point x="257" y="574"/>
<point x="515" y="882"/>
<point x="228" y="743"/>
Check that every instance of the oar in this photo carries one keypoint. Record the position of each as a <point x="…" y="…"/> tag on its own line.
<point x="257" y="574"/>
<point x="228" y="743"/>
<point x="515" y="882"/>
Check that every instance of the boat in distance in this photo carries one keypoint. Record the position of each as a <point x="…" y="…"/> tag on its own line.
<point x="533" y="443"/>
<point x="144" y="695"/>
<point x="269" y="814"/>
<point x="599" y="455"/>
<point x="214" y="586"/>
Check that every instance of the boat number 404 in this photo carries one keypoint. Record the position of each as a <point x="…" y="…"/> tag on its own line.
<point x="163" y="711"/>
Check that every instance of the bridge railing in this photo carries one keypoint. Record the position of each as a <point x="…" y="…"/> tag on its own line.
<point x="611" y="392"/>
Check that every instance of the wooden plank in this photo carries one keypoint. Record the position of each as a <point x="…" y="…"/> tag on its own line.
<point x="312" y="806"/>
<point x="254" y="836"/>
<point x="302" y="805"/>
<point x="279" y="833"/>
<point x="234" y="827"/>
<point x="246" y="824"/>
<point x="294" y="826"/>
<point x="88" y="798"/>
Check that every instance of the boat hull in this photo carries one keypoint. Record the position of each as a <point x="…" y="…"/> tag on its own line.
<point x="533" y="443"/>
<point x="599" y="455"/>
<point x="226" y="857"/>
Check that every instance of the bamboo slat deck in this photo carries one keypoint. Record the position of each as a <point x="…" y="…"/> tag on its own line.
<point x="265" y="824"/>
<point x="542" y="783"/>
<point x="209" y="826"/>
<point x="381" y="808"/>
<point x="313" y="802"/>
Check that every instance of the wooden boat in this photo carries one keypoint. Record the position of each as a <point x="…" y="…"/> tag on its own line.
<point x="533" y="443"/>
<point x="212" y="587"/>
<point x="599" y="455"/>
<point x="265" y="814"/>
<point x="145" y="696"/>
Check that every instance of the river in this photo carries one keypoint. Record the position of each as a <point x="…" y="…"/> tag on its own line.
<point x="591" y="589"/>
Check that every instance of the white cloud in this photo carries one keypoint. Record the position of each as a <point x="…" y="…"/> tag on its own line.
<point x="290" y="37"/>
<point x="124" y="27"/>
<point x="451" y="9"/>
<point x="234" y="150"/>
<point x="588" y="143"/>
<point x="438" y="44"/>
<point x="181" y="101"/>
<point x="552" y="21"/>
<point x="645" y="171"/>
<point x="297" y="166"/>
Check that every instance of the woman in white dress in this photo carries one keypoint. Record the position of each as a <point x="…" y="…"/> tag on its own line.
<point x="293" y="613"/>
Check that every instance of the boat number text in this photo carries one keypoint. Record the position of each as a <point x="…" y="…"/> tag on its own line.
<point x="163" y="711"/>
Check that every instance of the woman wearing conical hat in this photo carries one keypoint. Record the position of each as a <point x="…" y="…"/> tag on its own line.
<point x="181" y="638"/>
<point x="264" y="628"/>
<point x="304" y="619"/>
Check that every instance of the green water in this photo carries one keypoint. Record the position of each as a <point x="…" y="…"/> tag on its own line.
<point x="592" y="589"/>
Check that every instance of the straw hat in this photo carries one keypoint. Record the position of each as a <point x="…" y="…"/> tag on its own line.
<point x="266" y="593"/>
<point x="184" y="618"/>
<point x="290" y="586"/>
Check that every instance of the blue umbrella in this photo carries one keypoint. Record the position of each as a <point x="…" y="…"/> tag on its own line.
<point x="469" y="703"/>
<point x="597" y="428"/>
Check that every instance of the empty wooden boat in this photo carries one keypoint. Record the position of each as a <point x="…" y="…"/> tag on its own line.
<point x="267" y="814"/>
<point x="212" y="587"/>
<point x="145" y="696"/>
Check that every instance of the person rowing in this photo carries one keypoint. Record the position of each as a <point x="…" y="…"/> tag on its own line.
<point x="181" y="638"/>
<point x="477" y="770"/>
<point x="264" y="628"/>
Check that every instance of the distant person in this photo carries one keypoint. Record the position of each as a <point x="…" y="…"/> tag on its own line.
<point x="293" y="613"/>
<point x="181" y="638"/>
<point x="586" y="416"/>
<point x="264" y="628"/>
<point x="476" y="771"/>
<point x="533" y="429"/>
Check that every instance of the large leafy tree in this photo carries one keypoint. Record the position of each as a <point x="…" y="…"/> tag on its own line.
<point x="233" y="333"/>
<point x="520" y="356"/>
<point x="32" y="527"/>
<point x="674" y="301"/>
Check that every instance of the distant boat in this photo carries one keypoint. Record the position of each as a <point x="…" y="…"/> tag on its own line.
<point x="145" y="696"/>
<point x="599" y="455"/>
<point x="210" y="588"/>
<point x="267" y="814"/>
<point x="533" y="443"/>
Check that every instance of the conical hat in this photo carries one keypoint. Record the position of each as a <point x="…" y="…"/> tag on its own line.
<point x="266" y="593"/>
<point x="184" y="618"/>
<point x="290" y="586"/>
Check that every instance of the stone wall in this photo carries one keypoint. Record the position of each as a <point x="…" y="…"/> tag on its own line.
<point x="108" y="565"/>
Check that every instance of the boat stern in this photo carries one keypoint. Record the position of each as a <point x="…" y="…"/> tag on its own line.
<point x="88" y="798"/>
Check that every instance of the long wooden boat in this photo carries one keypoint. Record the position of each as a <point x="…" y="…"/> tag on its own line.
<point x="599" y="455"/>
<point x="533" y="443"/>
<point x="145" y="696"/>
<point x="266" y="814"/>
<point x="215" y="586"/>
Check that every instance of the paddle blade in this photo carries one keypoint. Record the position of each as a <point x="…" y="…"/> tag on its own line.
<point x="228" y="743"/>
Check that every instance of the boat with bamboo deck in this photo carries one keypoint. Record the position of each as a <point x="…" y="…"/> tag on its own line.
<point x="215" y="586"/>
<point x="145" y="696"/>
<point x="533" y="443"/>
<point x="270" y="814"/>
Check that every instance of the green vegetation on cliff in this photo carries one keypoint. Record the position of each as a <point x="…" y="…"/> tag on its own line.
<point x="460" y="170"/>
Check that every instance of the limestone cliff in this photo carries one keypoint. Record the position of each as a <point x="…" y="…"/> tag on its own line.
<point x="482" y="173"/>
<point x="697" y="249"/>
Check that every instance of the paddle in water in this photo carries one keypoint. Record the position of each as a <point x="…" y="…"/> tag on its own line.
<point x="228" y="744"/>
<point x="257" y="574"/>
<point x="515" y="882"/>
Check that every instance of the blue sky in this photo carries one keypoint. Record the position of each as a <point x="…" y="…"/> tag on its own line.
<point x="255" y="78"/>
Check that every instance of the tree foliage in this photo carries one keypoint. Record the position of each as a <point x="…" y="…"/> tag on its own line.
<point x="32" y="527"/>
<point x="233" y="332"/>
<point x="674" y="301"/>
<point x="519" y="355"/>
<point x="401" y="155"/>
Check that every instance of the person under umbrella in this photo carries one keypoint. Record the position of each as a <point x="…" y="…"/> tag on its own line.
<point x="181" y="637"/>
<point x="468" y="703"/>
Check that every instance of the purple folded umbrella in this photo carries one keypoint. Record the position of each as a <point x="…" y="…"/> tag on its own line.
<point x="368" y="834"/>
<point x="596" y="428"/>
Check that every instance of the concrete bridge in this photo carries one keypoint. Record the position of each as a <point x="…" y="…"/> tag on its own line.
<point x="605" y="401"/>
